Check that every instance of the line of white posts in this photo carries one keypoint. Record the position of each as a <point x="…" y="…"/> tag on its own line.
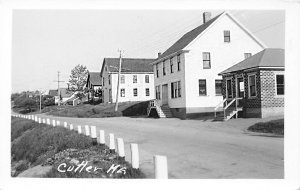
<point x="160" y="162"/>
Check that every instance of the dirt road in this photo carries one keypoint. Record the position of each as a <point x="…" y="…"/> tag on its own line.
<point x="196" y="149"/>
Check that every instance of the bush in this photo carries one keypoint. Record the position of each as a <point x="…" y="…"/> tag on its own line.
<point x="19" y="126"/>
<point x="274" y="126"/>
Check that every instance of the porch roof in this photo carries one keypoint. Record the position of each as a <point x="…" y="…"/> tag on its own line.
<point x="270" y="57"/>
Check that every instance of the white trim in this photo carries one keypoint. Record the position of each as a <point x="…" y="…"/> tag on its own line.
<point x="234" y="20"/>
<point x="280" y="95"/>
<point x="249" y="94"/>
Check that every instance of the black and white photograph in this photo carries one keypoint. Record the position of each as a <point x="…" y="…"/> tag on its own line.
<point x="135" y="93"/>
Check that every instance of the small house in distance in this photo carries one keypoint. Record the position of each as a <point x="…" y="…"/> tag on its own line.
<point x="136" y="80"/>
<point x="255" y="86"/>
<point x="94" y="85"/>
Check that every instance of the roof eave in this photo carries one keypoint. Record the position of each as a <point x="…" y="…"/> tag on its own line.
<point x="168" y="56"/>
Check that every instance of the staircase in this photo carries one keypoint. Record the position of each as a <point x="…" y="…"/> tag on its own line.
<point x="228" y="111"/>
<point x="162" y="111"/>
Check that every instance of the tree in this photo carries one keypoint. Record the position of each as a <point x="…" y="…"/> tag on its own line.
<point x="78" y="78"/>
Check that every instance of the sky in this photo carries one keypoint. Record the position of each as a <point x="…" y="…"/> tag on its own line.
<point x="47" y="41"/>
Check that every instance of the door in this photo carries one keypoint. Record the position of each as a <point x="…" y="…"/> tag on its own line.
<point x="240" y="89"/>
<point x="165" y="94"/>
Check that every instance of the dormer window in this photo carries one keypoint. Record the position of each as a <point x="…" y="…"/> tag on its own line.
<point x="227" y="36"/>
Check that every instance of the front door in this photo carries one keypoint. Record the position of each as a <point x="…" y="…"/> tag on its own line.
<point x="240" y="89"/>
<point x="165" y="94"/>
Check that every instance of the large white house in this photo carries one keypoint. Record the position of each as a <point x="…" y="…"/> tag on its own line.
<point x="136" y="80"/>
<point x="186" y="74"/>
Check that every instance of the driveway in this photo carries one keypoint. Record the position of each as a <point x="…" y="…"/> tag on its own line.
<point x="196" y="149"/>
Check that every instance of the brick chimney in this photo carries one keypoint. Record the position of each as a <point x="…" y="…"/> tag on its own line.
<point x="206" y="16"/>
<point x="159" y="54"/>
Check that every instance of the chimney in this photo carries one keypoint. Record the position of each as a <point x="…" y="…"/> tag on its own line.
<point x="159" y="54"/>
<point x="206" y="17"/>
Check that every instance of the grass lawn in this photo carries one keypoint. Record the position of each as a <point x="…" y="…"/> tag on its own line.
<point x="273" y="126"/>
<point x="99" y="111"/>
<point x="34" y="144"/>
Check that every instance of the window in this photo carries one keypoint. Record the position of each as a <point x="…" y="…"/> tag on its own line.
<point x="202" y="87"/>
<point x="108" y="79"/>
<point x="164" y="68"/>
<point x="252" y="86"/>
<point x="157" y="71"/>
<point x="228" y="88"/>
<point x="122" y="79"/>
<point x="175" y="89"/>
<point x="247" y="55"/>
<point x="280" y="84"/>
<point x="157" y="92"/>
<point x="218" y="87"/>
<point x="226" y="36"/>
<point x="122" y="92"/>
<point x="135" y="92"/>
<point x="206" y="60"/>
<point x="134" y="78"/>
<point x="171" y="64"/>
<point x="105" y="68"/>
<point x="146" y="78"/>
<point x="178" y="62"/>
<point x="147" y="92"/>
<point x="103" y="81"/>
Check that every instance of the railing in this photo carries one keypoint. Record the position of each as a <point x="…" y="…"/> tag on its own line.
<point x="152" y="104"/>
<point x="219" y="105"/>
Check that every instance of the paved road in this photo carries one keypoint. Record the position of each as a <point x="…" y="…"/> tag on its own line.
<point x="196" y="149"/>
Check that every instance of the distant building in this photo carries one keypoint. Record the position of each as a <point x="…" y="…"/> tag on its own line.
<point x="94" y="85"/>
<point x="258" y="83"/>
<point x="64" y="94"/>
<point x="136" y="80"/>
<point x="186" y="74"/>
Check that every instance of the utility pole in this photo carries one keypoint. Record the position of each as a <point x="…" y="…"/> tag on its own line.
<point x="40" y="101"/>
<point x="118" y="87"/>
<point x="58" y="81"/>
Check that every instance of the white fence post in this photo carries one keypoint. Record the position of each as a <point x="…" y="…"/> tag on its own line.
<point x="111" y="143"/>
<point x="94" y="134"/>
<point x="44" y="121"/>
<point x="53" y="123"/>
<point x="36" y="119"/>
<point x="79" y="129"/>
<point x="87" y="130"/>
<point x="120" y="144"/>
<point x="160" y="167"/>
<point x="65" y="124"/>
<point x="57" y="123"/>
<point x="40" y="120"/>
<point x="102" y="137"/>
<point x="134" y="156"/>
<point x="48" y="121"/>
<point x="71" y="127"/>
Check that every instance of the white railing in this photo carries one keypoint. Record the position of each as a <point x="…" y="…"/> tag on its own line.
<point x="153" y="104"/>
<point x="219" y="105"/>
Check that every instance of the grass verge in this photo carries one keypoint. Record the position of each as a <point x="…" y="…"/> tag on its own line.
<point x="273" y="126"/>
<point x="36" y="144"/>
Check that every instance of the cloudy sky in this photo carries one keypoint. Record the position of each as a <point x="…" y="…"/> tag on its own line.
<point x="47" y="41"/>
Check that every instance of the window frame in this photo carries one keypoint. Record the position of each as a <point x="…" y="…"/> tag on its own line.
<point x="276" y="91"/>
<point x="178" y="63"/>
<point x="164" y="68"/>
<point x="227" y="36"/>
<point x="135" y="89"/>
<point x="205" y="87"/>
<point x="220" y="80"/>
<point x="134" y="79"/>
<point x="148" y="91"/>
<point x="109" y="79"/>
<point x="226" y="84"/>
<point x="122" y="79"/>
<point x="147" y="79"/>
<point x="171" y="65"/>
<point x="122" y="89"/>
<point x="204" y="61"/>
<point x="249" y="92"/>
<point x="157" y="92"/>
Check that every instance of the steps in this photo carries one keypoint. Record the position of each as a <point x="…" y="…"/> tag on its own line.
<point x="230" y="112"/>
<point x="165" y="112"/>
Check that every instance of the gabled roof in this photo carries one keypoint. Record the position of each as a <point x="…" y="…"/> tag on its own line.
<point x="188" y="37"/>
<point x="64" y="93"/>
<point x="94" y="78"/>
<point x="129" y="65"/>
<point x="270" y="57"/>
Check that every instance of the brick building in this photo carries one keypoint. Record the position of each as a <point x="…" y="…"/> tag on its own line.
<point x="257" y="84"/>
